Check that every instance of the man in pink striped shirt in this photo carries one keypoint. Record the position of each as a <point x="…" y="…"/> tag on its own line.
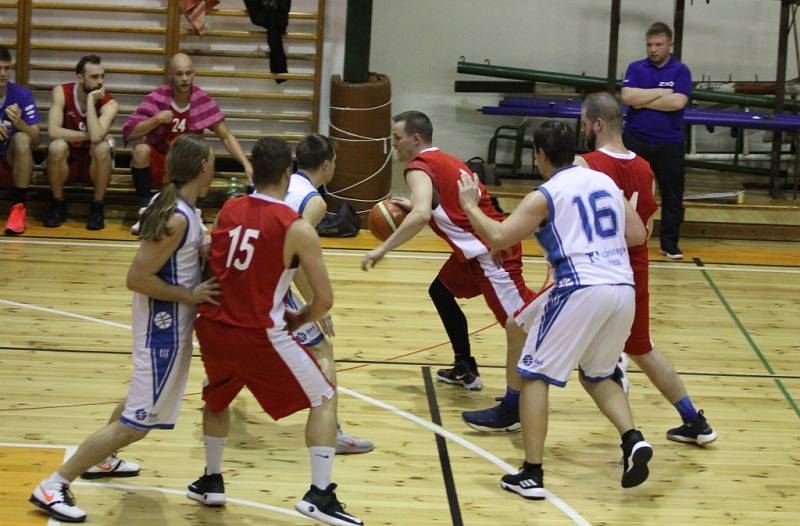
<point x="167" y="112"/>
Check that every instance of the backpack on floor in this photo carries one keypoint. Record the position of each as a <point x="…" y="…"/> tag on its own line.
<point x="342" y="223"/>
<point x="485" y="173"/>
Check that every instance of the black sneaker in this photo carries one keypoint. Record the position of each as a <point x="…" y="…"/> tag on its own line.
<point x="96" y="219"/>
<point x="56" y="213"/>
<point x="671" y="252"/>
<point x="208" y="489"/>
<point x="463" y="372"/>
<point x="502" y="417"/>
<point x="636" y="453"/>
<point x="695" y="432"/>
<point x="325" y="507"/>
<point x="528" y="483"/>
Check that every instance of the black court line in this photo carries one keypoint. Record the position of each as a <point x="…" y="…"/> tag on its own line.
<point x="419" y="364"/>
<point x="444" y="457"/>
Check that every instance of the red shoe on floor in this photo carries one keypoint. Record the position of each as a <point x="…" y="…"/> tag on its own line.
<point x="16" y="220"/>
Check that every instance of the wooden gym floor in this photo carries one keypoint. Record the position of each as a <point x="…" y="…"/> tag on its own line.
<point x="726" y="317"/>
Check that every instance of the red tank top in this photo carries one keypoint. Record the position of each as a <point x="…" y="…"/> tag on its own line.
<point x="247" y="259"/>
<point x="176" y="127"/>
<point x="74" y="116"/>
<point x="448" y="219"/>
<point x="635" y="178"/>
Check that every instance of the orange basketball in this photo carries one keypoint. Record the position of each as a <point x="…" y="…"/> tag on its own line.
<point x="384" y="218"/>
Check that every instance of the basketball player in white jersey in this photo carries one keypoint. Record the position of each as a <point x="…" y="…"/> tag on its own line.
<point x="316" y="163"/>
<point x="166" y="280"/>
<point x="584" y="225"/>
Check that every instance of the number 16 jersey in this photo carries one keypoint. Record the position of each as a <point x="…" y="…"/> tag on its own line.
<point x="584" y="235"/>
<point x="247" y="259"/>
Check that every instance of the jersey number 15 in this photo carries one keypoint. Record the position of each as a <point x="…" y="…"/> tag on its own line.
<point x="244" y="247"/>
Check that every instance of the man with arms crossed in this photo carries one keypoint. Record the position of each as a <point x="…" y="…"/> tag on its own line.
<point x="601" y="120"/>
<point x="583" y="223"/>
<point x="80" y="117"/>
<point x="656" y="90"/>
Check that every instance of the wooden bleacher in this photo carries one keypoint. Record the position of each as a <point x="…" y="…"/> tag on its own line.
<point x="135" y="42"/>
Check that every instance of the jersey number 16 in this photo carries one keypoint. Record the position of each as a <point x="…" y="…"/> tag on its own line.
<point x="604" y="218"/>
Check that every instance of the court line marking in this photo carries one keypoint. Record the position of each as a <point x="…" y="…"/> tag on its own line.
<point x="763" y="359"/>
<point x="439" y="430"/>
<point x="357" y="253"/>
<point x="70" y="450"/>
<point x="551" y="497"/>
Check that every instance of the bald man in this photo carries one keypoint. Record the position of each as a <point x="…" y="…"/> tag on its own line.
<point x="171" y="110"/>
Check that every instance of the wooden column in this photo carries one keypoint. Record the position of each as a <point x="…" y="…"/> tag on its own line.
<point x="23" y="45"/>
<point x="173" y="34"/>
<point x="318" y="65"/>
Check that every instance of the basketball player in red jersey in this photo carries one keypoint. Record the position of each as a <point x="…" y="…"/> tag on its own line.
<point x="432" y="176"/>
<point x="601" y="120"/>
<point x="79" y="120"/>
<point x="171" y="110"/>
<point x="257" y="245"/>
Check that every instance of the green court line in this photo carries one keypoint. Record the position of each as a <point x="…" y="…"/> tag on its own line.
<point x="752" y="343"/>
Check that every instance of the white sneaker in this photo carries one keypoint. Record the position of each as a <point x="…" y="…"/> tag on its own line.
<point x="620" y="375"/>
<point x="57" y="501"/>
<point x="137" y="226"/>
<point x="112" y="467"/>
<point x="350" y="445"/>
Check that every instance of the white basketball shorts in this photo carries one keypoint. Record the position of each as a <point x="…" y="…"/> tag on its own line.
<point x="584" y="326"/>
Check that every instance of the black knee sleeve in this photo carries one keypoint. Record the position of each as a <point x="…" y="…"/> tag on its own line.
<point x="453" y="319"/>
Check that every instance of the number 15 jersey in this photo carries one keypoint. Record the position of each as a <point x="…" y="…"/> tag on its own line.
<point x="247" y="259"/>
<point x="584" y="235"/>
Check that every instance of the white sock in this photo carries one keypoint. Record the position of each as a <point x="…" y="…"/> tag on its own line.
<point x="214" y="449"/>
<point x="321" y="465"/>
<point x="56" y="478"/>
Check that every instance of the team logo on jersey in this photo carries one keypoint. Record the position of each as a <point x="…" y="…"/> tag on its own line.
<point x="527" y="360"/>
<point x="163" y="320"/>
<point x="140" y="414"/>
<point x="666" y="84"/>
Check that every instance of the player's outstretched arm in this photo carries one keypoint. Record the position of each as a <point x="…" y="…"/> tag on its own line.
<point x="421" y="209"/>
<point x="233" y="147"/>
<point x="150" y="259"/>
<point x="523" y="221"/>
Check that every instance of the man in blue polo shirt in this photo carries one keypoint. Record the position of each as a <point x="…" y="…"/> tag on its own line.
<point x="656" y="90"/>
<point x="19" y="132"/>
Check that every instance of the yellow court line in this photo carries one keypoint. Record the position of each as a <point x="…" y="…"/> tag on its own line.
<point x="21" y="468"/>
